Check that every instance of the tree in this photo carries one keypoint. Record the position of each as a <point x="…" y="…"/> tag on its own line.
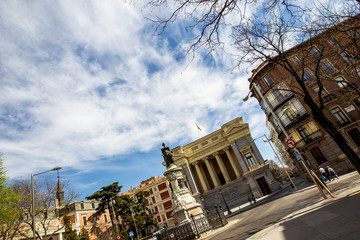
<point x="125" y="208"/>
<point x="268" y="39"/>
<point x="69" y="233"/>
<point x="46" y="213"/>
<point x="84" y="234"/>
<point x="9" y="212"/>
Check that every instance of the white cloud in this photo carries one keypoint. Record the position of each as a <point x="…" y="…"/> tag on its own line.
<point x="84" y="81"/>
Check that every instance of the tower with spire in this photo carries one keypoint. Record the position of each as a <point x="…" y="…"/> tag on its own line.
<point x="60" y="194"/>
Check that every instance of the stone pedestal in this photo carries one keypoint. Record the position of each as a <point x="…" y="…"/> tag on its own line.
<point x="184" y="204"/>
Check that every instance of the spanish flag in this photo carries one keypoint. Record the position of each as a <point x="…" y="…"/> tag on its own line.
<point x="198" y="127"/>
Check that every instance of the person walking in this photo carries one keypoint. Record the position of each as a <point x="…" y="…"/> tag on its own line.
<point x="323" y="173"/>
<point x="250" y="199"/>
<point x="331" y="172"/>
<point x="253" y="198"/>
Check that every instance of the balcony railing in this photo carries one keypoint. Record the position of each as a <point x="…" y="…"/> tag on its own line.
<point x="309" y="139"/>
<point x="280" y="99"/>
<point x="286" y="120"/>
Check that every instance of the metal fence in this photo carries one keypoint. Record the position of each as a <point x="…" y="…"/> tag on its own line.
<point x="194" y="228"/>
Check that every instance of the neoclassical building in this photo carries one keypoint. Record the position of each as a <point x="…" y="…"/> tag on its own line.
<point x="226" y="160"/>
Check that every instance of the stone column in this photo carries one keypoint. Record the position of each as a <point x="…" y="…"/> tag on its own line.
<point x="202" y="180"/>
<point x="239" y="157"/>
<point x="232" y="162"/>
<point x="212" y="172"/>
<point x="222" y="167"/>
<point x="190" y="178"/>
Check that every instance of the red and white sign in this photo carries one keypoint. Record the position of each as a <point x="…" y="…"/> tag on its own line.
<point x="290" y="143"/>
<point x="118" y="237"/>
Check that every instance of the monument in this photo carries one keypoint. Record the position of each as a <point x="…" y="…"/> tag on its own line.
<point x="184" y="204"/>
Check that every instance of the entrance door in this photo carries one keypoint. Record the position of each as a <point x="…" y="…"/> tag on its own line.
<point x="264" y="186"/>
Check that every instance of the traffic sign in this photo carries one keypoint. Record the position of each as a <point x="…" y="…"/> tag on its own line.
<point x="290" y="143"/>
<point x="118" y="237"/>
<point x="297" y="155"/>
<point x="131" y="234"/>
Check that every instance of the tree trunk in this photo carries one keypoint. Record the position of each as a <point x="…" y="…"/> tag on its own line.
<point x="336" y="135"/>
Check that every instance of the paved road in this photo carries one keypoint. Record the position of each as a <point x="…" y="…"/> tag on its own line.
<point x="260" y="217"/>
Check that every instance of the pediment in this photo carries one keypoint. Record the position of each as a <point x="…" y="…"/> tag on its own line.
<point x="236" y="128"/>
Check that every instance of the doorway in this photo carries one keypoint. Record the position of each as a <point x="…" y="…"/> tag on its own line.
<point x="264" y="186"/>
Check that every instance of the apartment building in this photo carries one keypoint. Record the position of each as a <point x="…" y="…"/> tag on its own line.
<point x="159" y="199"/>
<point x="329" y="66"/>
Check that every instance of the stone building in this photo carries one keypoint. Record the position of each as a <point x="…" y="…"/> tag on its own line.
<point x="159" y="199"/>
<point x="226" y="160"/>
<point x="328" y="64"/>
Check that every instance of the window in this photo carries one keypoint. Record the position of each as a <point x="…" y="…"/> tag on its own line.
<point x="327" y="67"/>
<point x="250" y="159"/>
<point x="340" y="116"/>
<point x="333" y="42"/>
<point x="157" y="198"/>
<point x="155" y="189"/>
<point x="150" y="202"/>
<point x="318" y="155"/>
<point x="341" y="82"/>
<point x="279" y="97"/>
<point x="308" y="76"/>
<point x="358" y="71"/>
<point x="93" y="205"/>
<point x="160" y="207"/>
<point x="347" y="58"/>
<point x="295" y="59"/>
<point x="163" y="217"/>
<point x="290" y="113"/>
<point x="84" y="218"/>
<point x="105" y="218"/>
<point x="324" y="94"/>
<point x="81" y="205"/>
<point x="268" y="80"/>
<point x="303" y="133"/>
<point x="315" y="52"/>
<point x="355" y="136"/>
<point x="357" y="101"/>
<point x="153" y="211"/>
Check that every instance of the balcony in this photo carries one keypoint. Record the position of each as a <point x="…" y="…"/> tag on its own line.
<point x="287" y="120"/>
<point x="309" y="139"/>
<point x="279" y="99"/>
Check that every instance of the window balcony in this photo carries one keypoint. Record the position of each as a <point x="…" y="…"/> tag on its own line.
<point x="290" y="119"/>
<point x="309" y="139"/>
<point x="279" y="99"/>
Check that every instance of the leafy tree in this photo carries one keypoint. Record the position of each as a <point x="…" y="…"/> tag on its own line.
<point x="69" y="233"/>
<point x="282" y="25"/>
<point x="9" y="212"/>
<point x="84" y="234"/>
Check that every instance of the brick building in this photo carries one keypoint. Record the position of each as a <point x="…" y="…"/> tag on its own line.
<point x="159" y="200"/>
<point x="329" y="66"/>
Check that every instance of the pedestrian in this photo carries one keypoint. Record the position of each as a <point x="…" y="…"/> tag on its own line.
<point x="323" y="173"/>
<point x="323" y="180"/>
<point x="250" y="199"/>
<point x="253" y="198"/>
<point x="331" y="172"/>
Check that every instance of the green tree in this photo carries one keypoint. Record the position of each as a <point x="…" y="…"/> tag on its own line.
<point x="9" y="212"/>
<point x="84" y="234"/>
<point x="69" y="233"/>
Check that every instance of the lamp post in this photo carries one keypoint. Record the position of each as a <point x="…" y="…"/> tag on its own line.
<point x="227" y="207"/>
<point x="286" y="135"/>
<point x="268" y="140"/>
<point x="33" y="196"/>
<point x="137" y="234"/>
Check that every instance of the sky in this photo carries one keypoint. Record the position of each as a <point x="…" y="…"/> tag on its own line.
<point x="89" y="86"/>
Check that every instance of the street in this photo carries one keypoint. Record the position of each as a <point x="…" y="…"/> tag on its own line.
<point x="248" y="223"/>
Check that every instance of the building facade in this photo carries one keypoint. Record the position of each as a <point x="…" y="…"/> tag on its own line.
<point x="328" y="65"/>
<point x="225" y="163"/>
<point x="159" y="199"/>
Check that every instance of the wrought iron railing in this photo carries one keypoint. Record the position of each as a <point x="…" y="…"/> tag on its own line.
<point x="309" y="139"/>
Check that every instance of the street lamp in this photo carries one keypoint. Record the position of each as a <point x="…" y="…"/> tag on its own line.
<point x="268" y="140"/>
<point x="33" y="196"/>
<point x="227" y="207"/>
<point x="137" y="234"/>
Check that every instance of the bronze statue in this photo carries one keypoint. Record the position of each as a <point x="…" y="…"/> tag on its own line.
<point x="167" y="155"/>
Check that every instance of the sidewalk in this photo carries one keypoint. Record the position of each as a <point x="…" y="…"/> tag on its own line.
<point x="336" y="218"/>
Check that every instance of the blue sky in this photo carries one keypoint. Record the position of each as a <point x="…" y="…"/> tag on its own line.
<point x="88" y="86"/>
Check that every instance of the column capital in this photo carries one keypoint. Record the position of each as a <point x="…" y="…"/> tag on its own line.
<point x="226" y="149"/>
<point x="205" y="158"/>
<point x="216" y="154"/>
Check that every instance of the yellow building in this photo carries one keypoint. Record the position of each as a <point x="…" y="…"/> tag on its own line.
<point x="226" y="160"/>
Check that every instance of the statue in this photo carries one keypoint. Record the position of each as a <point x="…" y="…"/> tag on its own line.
<point x="167" y="155"/>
